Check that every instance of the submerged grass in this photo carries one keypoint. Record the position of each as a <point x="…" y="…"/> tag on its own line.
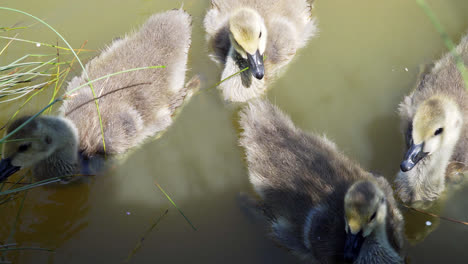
<point x="172" y="202"/>
<point x="27" y="248"/>
<point x="148" y="231"/>
<point x="15" y="223"/>
<point x="436" y="216"/>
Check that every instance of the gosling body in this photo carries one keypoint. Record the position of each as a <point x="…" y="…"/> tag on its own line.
<point x="317" y="201"/>
<point x="244" y="32"/>
<point x="434" y="123"/>
<point x="133" y="105"/>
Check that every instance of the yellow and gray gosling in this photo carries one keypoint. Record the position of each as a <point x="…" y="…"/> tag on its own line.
<point x="133" y="106"/>
<point x="320" y="205"/>
<point x="243" y="32"/>
<point x="433" y="121"/>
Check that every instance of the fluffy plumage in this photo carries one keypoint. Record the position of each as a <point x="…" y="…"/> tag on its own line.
<point x="434" y="115"/>
<point x="285" y="26"/>
<point x="133" y="106"/>
<point x="303" y="179"/>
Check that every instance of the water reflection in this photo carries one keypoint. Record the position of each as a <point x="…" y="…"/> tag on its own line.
<point x="50" y="217"/>
<point x="418" y="225"/>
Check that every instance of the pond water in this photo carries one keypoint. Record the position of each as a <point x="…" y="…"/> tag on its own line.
<point x="346" y="84"/>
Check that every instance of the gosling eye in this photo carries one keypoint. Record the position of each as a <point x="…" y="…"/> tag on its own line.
<point x="260" y="35"/>
<point x="409" y="135"/>
<point x="438" y="131"/>
<point x="24" y="147"/>
<point x="373" y="216"/>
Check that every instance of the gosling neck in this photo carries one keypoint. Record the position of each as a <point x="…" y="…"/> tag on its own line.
<point x="377" y="249"/>
<point x="428" y="176"/>
<point x="380" y="234"/>
<point x="63" y="162"/>
<point x="433" y="169"/>
<point x="64" y="159"/>
<point x="238" y="63"/>
<point x="240" y="87"/>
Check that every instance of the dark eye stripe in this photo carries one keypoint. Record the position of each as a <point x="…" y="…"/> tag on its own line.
<point x="24" y="147"/>
<point x="259" y="36"/>
<point x="373" y="216"/>
<point x="438" y="131"/>
<point x="409" y="135"/>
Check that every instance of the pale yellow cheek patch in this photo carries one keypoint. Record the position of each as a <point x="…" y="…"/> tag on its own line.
<point x="246" y="40"/>
<point x="428" y="118"/>
<point x="354" y="226"/>
<point x="245" y="27"/>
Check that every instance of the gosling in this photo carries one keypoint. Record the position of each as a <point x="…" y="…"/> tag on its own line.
<point x="133" y="106"/>
<point x="320" y="205"/>
<point x="243" y="32"/>
<point x="436" y="133"/>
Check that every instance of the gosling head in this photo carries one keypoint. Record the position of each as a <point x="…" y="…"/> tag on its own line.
<point x="36" y="142"/>
<point x="365" y="209"/>
<point x="436" y="124"/>
<point x="248" y="36"/>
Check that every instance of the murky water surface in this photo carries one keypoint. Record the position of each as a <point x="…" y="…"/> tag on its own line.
<point x="346" y="84"/>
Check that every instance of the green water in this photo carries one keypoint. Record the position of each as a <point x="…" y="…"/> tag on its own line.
<point x="346" y="83"/>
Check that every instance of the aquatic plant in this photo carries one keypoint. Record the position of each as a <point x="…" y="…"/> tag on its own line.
<point x="445" y="37"/>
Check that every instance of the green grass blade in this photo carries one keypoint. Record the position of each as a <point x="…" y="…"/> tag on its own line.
<point x="140" y="242"/>
<point x="31" y="88"/>
<point x="51" y="28"/>
<point x="37" y="42"/>
<point x="18" y="181"/>
<point x="69" y="93"/>
<point x="7" y="45"/>
<point x="447" y="41"/>
<point x="229" y="77"/>
<point x="225" y="79"/>
<point x="27" y="248"/>
<point x="4" y="29"/>
<point x="77" y="58"/>
<point x="15" y="223"/>
<point x="170" y="200"/>
<point x="32" y="185"/>
<point x="23" y="139"/>
<point x="27" y="121"/>
<point x="110" y="75"/>
<point x="32" y="70"/>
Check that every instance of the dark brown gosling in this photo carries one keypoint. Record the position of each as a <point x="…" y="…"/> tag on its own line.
<point x="321" y="205"/>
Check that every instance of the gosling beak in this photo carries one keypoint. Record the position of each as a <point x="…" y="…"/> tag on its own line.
<point x="353" y="245"/>
<point x="414" y="155"/>
<point x="6" y="169"/>
<point x="256" y="65"/>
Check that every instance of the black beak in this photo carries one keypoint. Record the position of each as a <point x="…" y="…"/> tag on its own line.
<point x="414" y="155"/>
<point x="353" y="246"/>
<point x="6" y="169"/>
<point x="256" y="65"/>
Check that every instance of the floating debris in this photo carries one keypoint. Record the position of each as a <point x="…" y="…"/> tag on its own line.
<point x="428" y="223"/>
